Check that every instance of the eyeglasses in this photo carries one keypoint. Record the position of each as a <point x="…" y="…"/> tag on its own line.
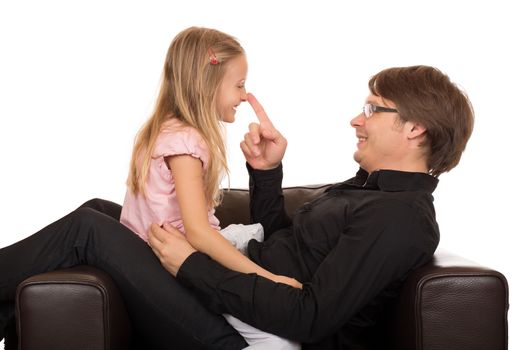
<point x="369" y="109"/>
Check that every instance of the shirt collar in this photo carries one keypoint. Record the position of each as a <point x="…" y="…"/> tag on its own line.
<point x="392" y="181"/>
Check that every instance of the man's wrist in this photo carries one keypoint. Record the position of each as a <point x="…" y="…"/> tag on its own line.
<point x="203" y="276"/>
<point x="264" y="174"/>
<point x="186" y="266"/>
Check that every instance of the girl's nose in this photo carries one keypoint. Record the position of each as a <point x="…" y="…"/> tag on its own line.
<point x="244" y="96"/>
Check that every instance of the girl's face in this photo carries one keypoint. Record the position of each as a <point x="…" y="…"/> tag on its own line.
<point x="232" y="91"/>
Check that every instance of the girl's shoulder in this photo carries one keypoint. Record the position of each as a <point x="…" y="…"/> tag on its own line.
<point x="176" y="137"/>
<point x="174" y="127"/>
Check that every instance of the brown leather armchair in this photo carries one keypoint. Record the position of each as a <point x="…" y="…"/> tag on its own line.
<point x="451" y="303"/>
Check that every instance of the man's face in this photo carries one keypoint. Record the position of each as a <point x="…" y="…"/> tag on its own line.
<point x="382" y="139"/>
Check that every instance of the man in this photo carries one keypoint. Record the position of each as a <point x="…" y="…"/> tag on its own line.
<point x="352" y="247"/>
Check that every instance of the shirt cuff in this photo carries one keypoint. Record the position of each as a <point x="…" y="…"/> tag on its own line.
<point x="264" y="175"/>
<point x="194" y="267"/>
<point x="202" y="275"/>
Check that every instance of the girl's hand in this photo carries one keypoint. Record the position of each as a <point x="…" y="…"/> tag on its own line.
<point x="172" y="248"/>
<point x="288" y="280"/>
<point x="263" y="144"/>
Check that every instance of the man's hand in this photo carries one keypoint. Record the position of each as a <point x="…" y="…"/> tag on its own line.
<point x="170" y="246"/>
<point x="263" y="144"/>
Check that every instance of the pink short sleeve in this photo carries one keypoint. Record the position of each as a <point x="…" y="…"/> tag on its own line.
<point x="176" y="139"/>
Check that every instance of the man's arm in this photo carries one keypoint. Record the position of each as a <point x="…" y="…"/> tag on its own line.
<point x="264" y="147"/>
<point x="267" y="200"/>
<point x="366" y="260"/>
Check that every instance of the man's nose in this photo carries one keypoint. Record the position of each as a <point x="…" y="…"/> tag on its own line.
<point x="358" y="120"/>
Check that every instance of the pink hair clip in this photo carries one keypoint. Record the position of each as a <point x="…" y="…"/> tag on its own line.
<point x="213" y="59"/>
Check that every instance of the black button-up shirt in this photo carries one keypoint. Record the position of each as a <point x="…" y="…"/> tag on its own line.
<point x="351" y="248"/>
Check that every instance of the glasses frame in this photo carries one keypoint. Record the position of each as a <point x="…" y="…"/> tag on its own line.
<point x="369" y="109"/>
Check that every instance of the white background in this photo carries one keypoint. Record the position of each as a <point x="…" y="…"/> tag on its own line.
<point x="77" y="79"/>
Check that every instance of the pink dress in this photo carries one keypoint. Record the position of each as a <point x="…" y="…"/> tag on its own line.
<point x="159" y="203"/>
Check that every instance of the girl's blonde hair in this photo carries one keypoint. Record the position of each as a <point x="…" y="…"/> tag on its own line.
<point x="193" y="71"/>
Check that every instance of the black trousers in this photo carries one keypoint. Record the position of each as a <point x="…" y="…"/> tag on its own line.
<point x="164" y="315"/>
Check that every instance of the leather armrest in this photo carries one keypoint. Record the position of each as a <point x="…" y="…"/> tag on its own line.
<point x="451" y="303"/>
<point x="76" y="308"/>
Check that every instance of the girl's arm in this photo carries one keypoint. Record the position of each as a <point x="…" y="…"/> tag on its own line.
<point x="187" y="176"/>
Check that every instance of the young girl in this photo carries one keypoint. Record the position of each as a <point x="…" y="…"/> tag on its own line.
<point x="179" y="157"/>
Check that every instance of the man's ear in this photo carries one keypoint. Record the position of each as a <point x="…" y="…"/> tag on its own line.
<point x="416" y="131"/>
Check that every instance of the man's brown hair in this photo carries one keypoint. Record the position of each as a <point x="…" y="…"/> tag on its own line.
<point x="425" y="95"/>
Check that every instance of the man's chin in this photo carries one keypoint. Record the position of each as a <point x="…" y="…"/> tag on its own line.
<point x="357" y="158"/>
